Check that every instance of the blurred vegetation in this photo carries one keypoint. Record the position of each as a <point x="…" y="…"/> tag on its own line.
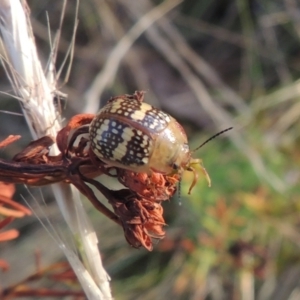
<point x="212" y="65"/>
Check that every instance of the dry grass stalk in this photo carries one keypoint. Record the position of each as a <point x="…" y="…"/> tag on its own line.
<point x="36" y="94"/>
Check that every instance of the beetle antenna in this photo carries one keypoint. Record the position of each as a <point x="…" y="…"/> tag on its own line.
<point x="211" y="138"/>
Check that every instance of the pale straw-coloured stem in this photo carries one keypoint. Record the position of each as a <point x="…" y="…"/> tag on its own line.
<point x="36" y="92"/>
<point x="108" y="73"/>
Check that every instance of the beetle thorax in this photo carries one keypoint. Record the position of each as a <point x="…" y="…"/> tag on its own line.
<point x="170" y="150"/>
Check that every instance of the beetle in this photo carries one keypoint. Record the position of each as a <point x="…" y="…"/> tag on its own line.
<point x="131" y="134"/>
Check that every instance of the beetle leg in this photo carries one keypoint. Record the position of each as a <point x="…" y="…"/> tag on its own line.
<point x="206" y="175"/>
<point x="195" y="162"/>
<point x="194" y="180"/>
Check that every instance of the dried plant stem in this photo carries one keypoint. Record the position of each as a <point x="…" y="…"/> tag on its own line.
<point x="106" y="76"/>
<point x="36" y="93"/>
<point x="247" y="285"/>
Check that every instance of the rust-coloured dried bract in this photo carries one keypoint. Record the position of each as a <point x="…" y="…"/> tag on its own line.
<point x="156" y="186"/>
<point x="9" y="210"/>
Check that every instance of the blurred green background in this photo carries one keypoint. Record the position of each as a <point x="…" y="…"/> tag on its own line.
<point x="212" y="65"/>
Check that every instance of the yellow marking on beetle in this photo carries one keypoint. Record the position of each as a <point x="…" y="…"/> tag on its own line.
<point x="138" y="115"/>
<point x="127" y="134"/>
<point x="101" y="129"/>
<point x="120" y="151"/>
<point x="145" y="160"/>
<point x="117" y="104"/>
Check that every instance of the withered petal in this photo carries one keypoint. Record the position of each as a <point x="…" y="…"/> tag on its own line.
<point x="10" y="139"/>
<point x="36" y="151"/>
<point x="63" y="136"/>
